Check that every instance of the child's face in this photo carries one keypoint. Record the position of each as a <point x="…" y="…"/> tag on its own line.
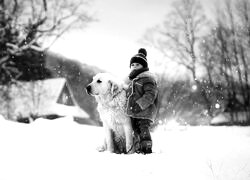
<point x="135" y="66"/>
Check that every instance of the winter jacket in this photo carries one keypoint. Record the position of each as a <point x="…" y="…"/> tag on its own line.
<point x="142" y="95"/>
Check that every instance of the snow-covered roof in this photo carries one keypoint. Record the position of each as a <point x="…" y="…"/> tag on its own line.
<point x="64" y="110"/>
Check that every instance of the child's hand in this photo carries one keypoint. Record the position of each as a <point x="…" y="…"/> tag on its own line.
<point x="136" y="109"/>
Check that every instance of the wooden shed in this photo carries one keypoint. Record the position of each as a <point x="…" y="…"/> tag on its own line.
<point x="50" y="98"/>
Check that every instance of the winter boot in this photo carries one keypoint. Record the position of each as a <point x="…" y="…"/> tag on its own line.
<point x="146" y="147"/>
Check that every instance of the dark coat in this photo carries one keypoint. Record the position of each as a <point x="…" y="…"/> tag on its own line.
<point x="142" y="96"/>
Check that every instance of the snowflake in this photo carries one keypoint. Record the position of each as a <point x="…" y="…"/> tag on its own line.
<point x="217" y="105"/>
<point x="194" y="87"/>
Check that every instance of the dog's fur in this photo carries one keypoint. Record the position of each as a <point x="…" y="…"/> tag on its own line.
<point x="110" y="95"/>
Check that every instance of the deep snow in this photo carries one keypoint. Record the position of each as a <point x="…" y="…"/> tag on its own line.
<point x="62" y="149"/>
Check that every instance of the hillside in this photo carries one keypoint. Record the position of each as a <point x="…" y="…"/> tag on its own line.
<point x="78" y="75"/>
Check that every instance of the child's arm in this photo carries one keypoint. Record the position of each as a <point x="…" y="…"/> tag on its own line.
<point x="151" y="91"/>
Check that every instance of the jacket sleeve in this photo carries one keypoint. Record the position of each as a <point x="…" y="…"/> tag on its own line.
<point x="151" y="91"/>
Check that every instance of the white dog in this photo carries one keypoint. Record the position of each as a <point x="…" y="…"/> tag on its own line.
<point x="110" y="95"/>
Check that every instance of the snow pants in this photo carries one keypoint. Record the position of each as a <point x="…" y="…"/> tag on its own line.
<point x="143" y="140"/>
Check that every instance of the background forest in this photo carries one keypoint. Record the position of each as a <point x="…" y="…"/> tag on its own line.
<point x="215" y="52"/>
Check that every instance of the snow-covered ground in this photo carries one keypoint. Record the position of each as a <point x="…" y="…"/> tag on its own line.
<point x="64" y="150"/>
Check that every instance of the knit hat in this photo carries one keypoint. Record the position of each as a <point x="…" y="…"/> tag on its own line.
<point x="140" y="58"/>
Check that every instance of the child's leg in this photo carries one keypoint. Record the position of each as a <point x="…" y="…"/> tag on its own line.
<point x="145" y="137"/>
<point x="136" y="136"/>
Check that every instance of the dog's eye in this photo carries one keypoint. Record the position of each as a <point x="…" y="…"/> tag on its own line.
<point x="99" y="81"/>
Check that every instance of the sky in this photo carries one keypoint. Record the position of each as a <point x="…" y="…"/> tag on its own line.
<point x="110" y="42"/>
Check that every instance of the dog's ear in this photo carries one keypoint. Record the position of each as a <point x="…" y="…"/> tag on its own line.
<point x="114" y="88"/>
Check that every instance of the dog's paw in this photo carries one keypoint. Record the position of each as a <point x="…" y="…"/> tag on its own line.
<point x="101" y="148"/>
<point x="130" y="149"/>
<point x="130" y="152"/>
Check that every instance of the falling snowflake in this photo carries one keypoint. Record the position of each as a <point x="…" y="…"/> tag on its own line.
<point x="194" y="87"/>
<point x="217" y="105"/>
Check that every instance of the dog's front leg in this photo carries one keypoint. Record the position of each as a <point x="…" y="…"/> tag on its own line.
<point x="109" y="139"/>
<point x="129" y="138"/>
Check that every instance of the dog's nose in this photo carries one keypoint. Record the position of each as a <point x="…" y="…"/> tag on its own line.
<point x="88" y="89"/>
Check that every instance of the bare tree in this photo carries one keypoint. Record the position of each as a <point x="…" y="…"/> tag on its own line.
<point x="243" y="18"/>
<point x="182" y="30"/>
<point x="180" y="36"/>
<point x="225" y="50"/>
<point x="26" y="24"/>
<point x="236" y="22"/>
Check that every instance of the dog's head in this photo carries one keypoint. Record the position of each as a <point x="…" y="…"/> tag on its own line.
<point x="103" y="84"/>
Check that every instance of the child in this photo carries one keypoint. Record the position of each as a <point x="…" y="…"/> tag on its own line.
<point x="141" y="100"/>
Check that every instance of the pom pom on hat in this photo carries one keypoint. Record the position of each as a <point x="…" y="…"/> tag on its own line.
<point x="140" y="58"/>
<point x="142" y="51"/>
